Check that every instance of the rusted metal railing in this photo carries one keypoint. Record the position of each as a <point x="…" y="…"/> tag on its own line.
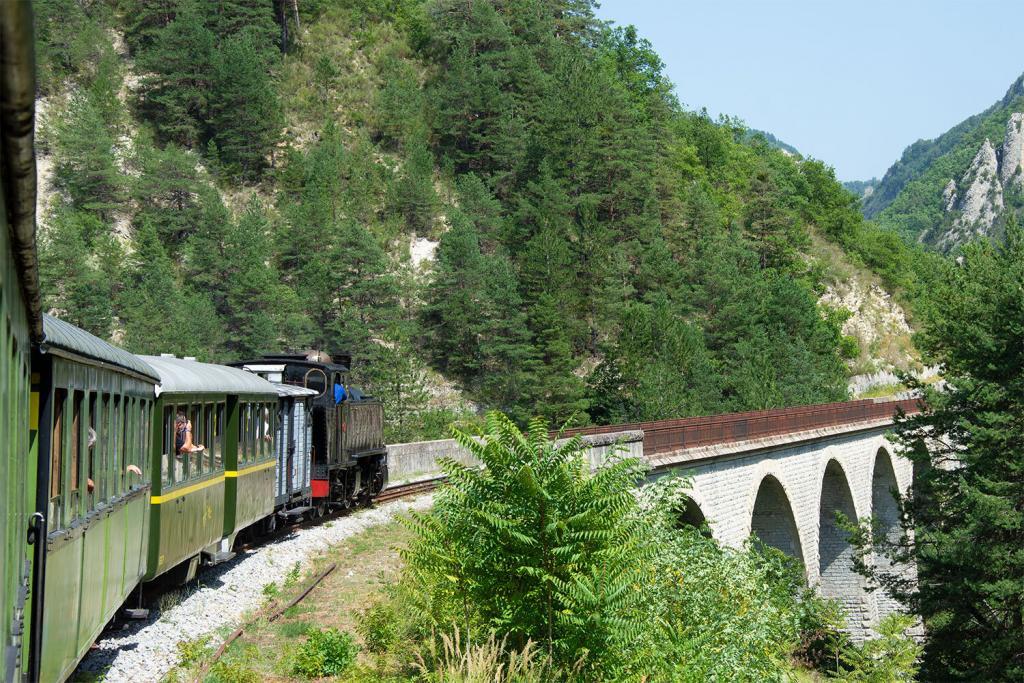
<point x="664" y="436"/>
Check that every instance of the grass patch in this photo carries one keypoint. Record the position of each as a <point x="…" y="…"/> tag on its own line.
<point x="295" y="629"/>
<point x="883" y="391"/>
<point x="268" y="651"/>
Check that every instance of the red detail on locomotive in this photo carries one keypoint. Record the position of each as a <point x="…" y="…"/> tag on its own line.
<point x="321" y="488"/>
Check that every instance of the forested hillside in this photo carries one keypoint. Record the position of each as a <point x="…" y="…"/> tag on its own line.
<point x="234" y="177"/>
<point x="962" y="184"/>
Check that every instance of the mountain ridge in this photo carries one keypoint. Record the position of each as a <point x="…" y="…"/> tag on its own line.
<point x="913" y="196"/>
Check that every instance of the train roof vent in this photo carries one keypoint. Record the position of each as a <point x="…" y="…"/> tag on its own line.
<point x="167" y="355"/>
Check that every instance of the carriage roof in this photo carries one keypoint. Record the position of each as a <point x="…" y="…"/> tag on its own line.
<point x="63" y="338"/>
<point x="185" y="376"/>
<point x="292" y="391"/>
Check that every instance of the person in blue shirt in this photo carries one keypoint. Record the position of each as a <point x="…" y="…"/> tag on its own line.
<point x="339" y="393"/>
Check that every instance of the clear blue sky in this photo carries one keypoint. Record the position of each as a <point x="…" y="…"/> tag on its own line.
<point x="850" y="83"/>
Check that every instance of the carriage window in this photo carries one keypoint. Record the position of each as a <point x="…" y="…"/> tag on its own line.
<point x="136" y="448"/>
<point x="261" y="427"/>
<point x="115" y="448"/>
<point x="243" y="421"/>
<point x="135" y="443"/>
<point x="195" y="417"/>
<point x="56" y="464"/>
<point x="93" y="454"/>
<point x="77" y="437"/>
<point x="250" y="432"/>
<point x="245" y="438"/>
<point x="209" y="435"/>
<point x="169" y="451"/>
<point x="269" y="415"/>
<point x="254" y="432"/>
<point x="141" y="451"/>
<point x="217" y="448"/>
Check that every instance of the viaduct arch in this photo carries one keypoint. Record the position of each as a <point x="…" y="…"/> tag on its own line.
<point x="788" y="490"/>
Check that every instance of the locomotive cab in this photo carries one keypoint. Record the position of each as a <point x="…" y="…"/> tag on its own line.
<point x="348" y="457"/>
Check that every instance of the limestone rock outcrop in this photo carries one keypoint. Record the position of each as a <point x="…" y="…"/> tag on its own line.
<point x="976" y="201"/>
<point x="983" y="198"/>
<point x="1013" y="152"/>
<point x="949" y="196"/>
<point x="981" y="202"/>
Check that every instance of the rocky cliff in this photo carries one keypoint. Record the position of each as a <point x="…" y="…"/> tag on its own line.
<point x="981" y="201"/>
<point x="961" y="184"/>
<point x="992" y="172"/>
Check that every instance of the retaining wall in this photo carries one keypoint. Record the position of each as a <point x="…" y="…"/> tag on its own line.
<point x="419" y="460"/>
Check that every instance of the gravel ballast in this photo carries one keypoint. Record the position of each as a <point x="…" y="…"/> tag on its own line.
<point x="221" y="596"/>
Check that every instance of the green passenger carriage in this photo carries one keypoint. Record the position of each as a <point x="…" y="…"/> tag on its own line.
<point x="17" y="477"/>
<point x="204" y="496"/>
<point x="95" y="406"/>
<point x="21" y="326"/>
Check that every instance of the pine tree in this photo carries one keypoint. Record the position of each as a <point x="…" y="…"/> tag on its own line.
<point x="658" y="369"/>
<point x="775" y="235"/>
<point x="507" y="356"/>
<point x="75" y="282"/>
<point x="475" y="326"/>
<point x="179" y="65"/>
<point x="254" y="18"/>
<point x="413" y="195"/>
<point x="159" y="315"/>
<point x="352" y="296"/>
<point x="169" y="193"/>
<point x="557" y="393"/>
<point x="250" y="305"/>
<point x="245" y="116"/>
<point x="964" y="515"/>
<point x="146" y="19"/>
<point x="398" y="378"/>
<point x="450" y="315"/>
<point x="85" y="167"/>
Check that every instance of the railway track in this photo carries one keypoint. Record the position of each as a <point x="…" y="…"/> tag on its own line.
<point x="412" y="488"/>
<point x="143" y="651"/>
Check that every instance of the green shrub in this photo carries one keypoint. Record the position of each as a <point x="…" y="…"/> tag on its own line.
<point x="326" y="652"/>
<point x="378" y="626"/>
<point x="890" y="658"/>
<point x="232" y="672"/>
<point x="193" y="651"/>
<point x="293" y="575"/>
<point x="538" y="547"/>
<point x="849" y="347"/>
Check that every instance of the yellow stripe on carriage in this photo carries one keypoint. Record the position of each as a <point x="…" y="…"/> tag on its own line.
<point x="250" y="470"/>
<point x="33" y="410"/>
<point x="177" y="493"/>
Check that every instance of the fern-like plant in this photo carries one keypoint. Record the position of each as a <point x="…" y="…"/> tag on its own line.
<point x="537" y="547"/>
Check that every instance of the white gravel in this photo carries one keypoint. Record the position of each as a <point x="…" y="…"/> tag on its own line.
<point x="145" y="653"/>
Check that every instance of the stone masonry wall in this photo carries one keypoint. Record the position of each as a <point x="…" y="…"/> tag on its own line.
<point x="419" y="460"/>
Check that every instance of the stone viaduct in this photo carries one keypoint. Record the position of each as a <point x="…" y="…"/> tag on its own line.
<point x="780" y="474"/>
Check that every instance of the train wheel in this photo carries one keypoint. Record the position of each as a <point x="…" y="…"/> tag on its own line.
<point x="321" y="510"/>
